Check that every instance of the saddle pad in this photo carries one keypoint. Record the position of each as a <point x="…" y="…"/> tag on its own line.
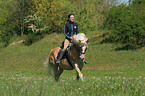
<point x="65" y="54"/>
<point x="58" y="55"/>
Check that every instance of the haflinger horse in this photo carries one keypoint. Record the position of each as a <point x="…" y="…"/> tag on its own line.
<point x="74" y="60"/>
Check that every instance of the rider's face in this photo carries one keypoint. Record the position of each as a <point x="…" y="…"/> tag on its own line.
<point x="72" y="18"/>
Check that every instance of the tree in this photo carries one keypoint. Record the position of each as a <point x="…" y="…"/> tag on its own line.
<point x="5" y="27"/>
<point x="52" y="12"/>
<point x="19" y="12"/>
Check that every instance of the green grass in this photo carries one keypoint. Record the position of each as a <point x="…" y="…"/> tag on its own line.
<point x="109" y="72"/>
<point x="24" y="83"/>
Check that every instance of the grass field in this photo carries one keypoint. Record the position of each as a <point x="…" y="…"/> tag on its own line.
<point x="109" y="72"/>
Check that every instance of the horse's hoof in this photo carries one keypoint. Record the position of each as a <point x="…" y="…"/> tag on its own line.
<point x="86" y="62"/>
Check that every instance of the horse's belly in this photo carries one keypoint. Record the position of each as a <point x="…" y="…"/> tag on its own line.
<point x="65" y="65"/>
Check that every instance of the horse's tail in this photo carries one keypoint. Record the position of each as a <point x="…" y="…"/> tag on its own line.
<point x="47" y="63"/>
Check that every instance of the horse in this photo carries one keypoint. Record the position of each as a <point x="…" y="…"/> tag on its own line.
<point x="74" y="60"/>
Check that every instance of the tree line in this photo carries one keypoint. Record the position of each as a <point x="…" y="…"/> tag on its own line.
<point x="35" y="18"/>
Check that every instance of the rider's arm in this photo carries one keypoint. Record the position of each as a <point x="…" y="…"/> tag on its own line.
<point x="66" y="31"/>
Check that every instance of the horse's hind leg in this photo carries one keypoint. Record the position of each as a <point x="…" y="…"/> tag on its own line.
<point x="57" y="72"/>
<point x="57" y="75"/>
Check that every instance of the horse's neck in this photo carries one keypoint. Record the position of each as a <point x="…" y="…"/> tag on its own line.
<point x="74" y="50"/>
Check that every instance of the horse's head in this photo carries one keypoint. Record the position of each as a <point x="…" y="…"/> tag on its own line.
<point x="82" y="41"/>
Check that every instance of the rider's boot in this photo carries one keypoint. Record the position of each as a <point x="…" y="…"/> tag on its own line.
<point x="61" y="55"/>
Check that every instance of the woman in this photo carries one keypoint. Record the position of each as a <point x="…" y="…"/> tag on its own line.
<point x="70" y="29"/>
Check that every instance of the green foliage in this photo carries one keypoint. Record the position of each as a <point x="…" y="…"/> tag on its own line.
<point x="47" y="16"/>
<point x="52" y="12"/>
<point x="35" y="24"/>
<point x="88" y="14"/>
<point x="138" y="2"/>
<point x="5" y="27"/>
<point x="32" y="38"/>
<point x="127" y="24"/>
<point x="12" y="18"/>
<point x="5" y="37"/>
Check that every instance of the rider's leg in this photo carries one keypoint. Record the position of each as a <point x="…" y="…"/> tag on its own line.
<point x="66" y="43"/>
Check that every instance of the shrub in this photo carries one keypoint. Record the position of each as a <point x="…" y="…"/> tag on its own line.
<point x="6" y="35"/>
<point x="32" y="38"/>
<point x="127" y="25"/>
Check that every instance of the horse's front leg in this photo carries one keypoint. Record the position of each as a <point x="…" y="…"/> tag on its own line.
<point x="79" y="72"/>
<point x="78" y="76"/>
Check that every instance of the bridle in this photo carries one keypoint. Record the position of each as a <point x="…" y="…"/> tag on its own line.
<point x="83" y="48"/>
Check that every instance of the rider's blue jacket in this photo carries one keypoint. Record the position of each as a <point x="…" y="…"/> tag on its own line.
<point x="70" y="29"/>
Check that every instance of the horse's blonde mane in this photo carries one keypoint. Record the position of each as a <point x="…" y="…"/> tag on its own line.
<point x="80" y="38"/>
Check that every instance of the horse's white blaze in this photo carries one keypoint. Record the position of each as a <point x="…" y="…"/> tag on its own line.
<point x="82" y="56"/>
<point x="83" y="49"/>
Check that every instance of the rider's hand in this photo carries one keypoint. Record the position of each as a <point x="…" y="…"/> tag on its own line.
<point x="71" y="38"/>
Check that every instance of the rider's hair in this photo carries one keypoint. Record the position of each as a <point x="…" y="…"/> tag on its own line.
<point x="68" y="18"/>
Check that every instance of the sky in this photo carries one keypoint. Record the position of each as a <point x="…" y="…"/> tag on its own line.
<point x="123" y="1"/>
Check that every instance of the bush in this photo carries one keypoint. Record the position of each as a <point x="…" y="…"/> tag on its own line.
<point x="32" y="38"/>
<point x="5" y="36"/>
<point x="127" y="25"/>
